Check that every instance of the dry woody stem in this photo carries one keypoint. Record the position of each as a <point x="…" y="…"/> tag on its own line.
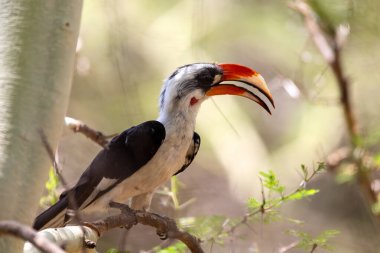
<point x="28" y="234"/>
<point x="330" y="48"/>
<point x="78" y="126"/>
<point x="166" y="227"/>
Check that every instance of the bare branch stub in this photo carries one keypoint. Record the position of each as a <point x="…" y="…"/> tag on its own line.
<point x="78" y="126"/>
<point x="166" y="227"/>
<point x="288" y="247"/>
<point x="28" y="234"/>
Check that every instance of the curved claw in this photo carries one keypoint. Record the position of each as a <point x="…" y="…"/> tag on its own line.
<point x="163" y="235"/>
<point x="129" y="226"/>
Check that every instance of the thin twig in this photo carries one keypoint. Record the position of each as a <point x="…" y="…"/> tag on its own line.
<point x="78" y="126"/>
<point x="264" y="207"/>
<point x="286" y="248"/>
<point x="314" y="248"/>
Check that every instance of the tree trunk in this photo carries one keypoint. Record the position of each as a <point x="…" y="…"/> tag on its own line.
<point x="37" y="51"/>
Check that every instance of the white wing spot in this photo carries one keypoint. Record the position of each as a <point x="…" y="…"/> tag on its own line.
<point x="105" y="183"/>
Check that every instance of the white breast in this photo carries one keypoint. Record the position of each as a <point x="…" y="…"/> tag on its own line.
<point x="169" y="158"/>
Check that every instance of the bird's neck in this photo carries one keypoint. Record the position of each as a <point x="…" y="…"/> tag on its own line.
<point x="178" y="120"/>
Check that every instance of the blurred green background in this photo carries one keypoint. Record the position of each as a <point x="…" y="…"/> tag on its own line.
<point x="127" y="48"/>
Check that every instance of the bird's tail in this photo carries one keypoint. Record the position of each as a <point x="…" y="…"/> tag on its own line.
<point x="53" y="216"/>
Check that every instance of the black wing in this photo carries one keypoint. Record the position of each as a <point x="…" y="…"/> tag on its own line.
<point x="191" y="152"/>
<point x="123" y="156"/>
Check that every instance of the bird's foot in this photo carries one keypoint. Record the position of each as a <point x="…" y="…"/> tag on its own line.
<point x="130" y="225"/>
<point x="162" y="233"/>
<point x="126" y="210"/>
<point x="163" y="229"/>
<point x="122" y="207"/>
<point x="89" y="244"/>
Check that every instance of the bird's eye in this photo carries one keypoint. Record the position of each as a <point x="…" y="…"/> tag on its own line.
<point x="206" y="76"/>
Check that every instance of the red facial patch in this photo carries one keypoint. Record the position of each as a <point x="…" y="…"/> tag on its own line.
<point x="193" y="101"/>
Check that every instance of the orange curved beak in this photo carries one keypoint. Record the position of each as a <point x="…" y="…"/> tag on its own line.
<point x="249" y="80"/>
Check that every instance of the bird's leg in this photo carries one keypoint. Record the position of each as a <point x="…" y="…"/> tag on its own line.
<point x="162" y="227"/>
<point x="142" y="201"/>
<point x="122" y="207"/>
<point x="165" y="226"/>
<point x="126" y="210"/>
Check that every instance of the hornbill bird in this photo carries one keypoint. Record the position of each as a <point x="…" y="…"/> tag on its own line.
<point x="145" y="156"/>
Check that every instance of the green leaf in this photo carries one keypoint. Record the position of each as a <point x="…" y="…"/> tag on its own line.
<point x="253" y="204"/>
<point x="178" y="247"/>
<point x="296" y="221"/>
<point x="305" y="171"/>
<point x="271" y="182"/>
<point x="376" y="159"/>
<point x="307" y="242"/>
<point x="300" y="194"/>
<point x="206" y="227"/>
<point x="271" y="216"/>
<point x="376" y="208"/>
<point x="51" y="186"/>
<point x="321" y="167"/>
<point x="323" y="239"/>
<point x="346" y="173"/>
<point x="53" y="180"/>
<point x="112" y="250"/>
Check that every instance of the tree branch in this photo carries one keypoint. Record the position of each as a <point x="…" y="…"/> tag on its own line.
<point x="28" y="234"/>
<point x="314" y="29"/>
<point x="73" y="239"/>
<point x="330" y="48"/>
<point x="85" y="236"/>
<point x="166" y="227"/>
<point x="78" y="126"/>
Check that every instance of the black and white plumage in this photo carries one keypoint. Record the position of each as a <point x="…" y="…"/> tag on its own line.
<point x="122" y="157"/>
<point x="191" y="152"/>
<point x="145" y="156"/>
